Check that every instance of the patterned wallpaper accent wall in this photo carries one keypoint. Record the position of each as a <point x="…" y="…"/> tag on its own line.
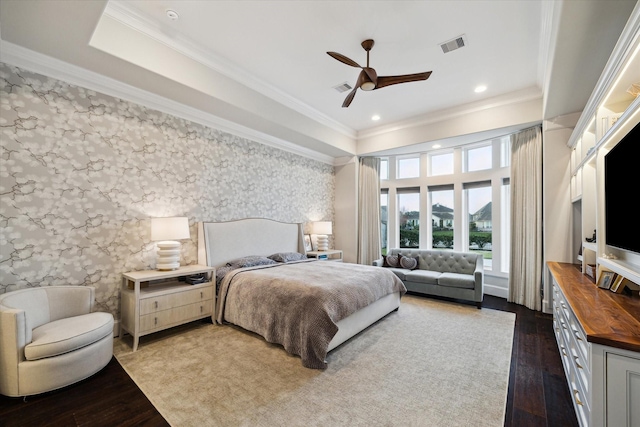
<point x="82" y="173"/>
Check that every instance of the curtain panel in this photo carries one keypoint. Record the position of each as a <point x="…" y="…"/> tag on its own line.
<point x="369" y="245"/>
<point x="526" y="265"/>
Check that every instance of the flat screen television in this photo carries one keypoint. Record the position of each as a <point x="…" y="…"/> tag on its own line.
<point x="622" y="193"/>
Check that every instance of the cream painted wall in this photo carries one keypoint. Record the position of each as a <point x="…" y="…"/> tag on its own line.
<point x="557" y="221"/>
<point x="346" y="210"/>
<point x="527" y="113"/>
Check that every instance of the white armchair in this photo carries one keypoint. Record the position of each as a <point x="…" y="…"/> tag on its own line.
<point x="50" y="338"/>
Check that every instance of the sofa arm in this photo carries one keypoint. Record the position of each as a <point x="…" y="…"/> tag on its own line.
<point x="478" y="276"/>
<point x="377" y="262"/>
<point x="13" y="333"/>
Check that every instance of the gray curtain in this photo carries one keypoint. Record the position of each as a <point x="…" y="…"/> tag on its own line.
<point x="369" y="210"/>
<point x="525" y="269"/>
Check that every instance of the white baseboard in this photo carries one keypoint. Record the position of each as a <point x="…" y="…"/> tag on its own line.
<point x="496" y="291"/>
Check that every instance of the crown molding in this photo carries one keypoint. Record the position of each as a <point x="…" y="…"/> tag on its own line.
<point x="524" y="95"/>
<point x="42" y="64"/>
<point x="629" y="39"/>
<point x="128" y="15"/>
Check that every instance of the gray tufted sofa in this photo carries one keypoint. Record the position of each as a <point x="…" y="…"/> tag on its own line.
<point x="443" y="273"/>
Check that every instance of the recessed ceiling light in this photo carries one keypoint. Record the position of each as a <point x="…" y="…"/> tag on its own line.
<point x="375" y="117"/>
<point x="480" y="88"/>
<point x="436" y="146"/>
<point x="172" y="14"/>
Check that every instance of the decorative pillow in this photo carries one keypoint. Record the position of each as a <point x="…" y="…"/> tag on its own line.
<point x="391" y="260"/>
<point x="287" y="256"/>
<point x="250" y="261"/>
<point x="409" y="263"/>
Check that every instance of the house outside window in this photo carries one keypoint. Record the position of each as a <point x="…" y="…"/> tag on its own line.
<point x="442" y="217"/>
<point x="409" y="218"/>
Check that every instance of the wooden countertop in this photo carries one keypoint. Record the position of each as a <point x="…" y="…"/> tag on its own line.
<point x="607" y="318"/>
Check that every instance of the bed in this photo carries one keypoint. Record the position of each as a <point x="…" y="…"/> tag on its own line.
<point x="308" y="306"/>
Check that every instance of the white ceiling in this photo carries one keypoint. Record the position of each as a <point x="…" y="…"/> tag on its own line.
<point x="283" y="44"/>
<point x="262" y="65"/>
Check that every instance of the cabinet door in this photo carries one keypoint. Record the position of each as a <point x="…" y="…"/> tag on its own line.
<point x="623" y="391"/>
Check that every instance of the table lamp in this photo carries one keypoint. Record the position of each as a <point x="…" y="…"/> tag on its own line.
<point x="167" y="232"/>
<point x="322" y="229"/>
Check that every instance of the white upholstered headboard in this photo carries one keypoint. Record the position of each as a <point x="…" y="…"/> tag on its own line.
<point x="220" y="242"/>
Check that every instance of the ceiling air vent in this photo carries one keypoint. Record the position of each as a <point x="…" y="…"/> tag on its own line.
<point x="343" y="87"/>
<point x="454" y="44"/>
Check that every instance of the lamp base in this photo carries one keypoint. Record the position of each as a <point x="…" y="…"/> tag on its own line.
<point x="323" y="242"/>
<point x="168" y="255"/>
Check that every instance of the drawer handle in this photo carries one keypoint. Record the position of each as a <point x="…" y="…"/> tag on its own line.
<point x="156" y="303"/>
<point x="201" y="295"/>
<point x="577" y="359"/>
<point x="155" y="320"/>
<point x="576" y="393"/>
<point x="201" y="309"/>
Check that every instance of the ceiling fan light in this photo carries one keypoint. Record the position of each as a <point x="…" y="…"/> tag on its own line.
<point x="368" y="86"/>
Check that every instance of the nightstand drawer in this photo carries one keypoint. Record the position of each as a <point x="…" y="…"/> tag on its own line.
<point x="177" y="315"/>
<point x="163" y="302"/>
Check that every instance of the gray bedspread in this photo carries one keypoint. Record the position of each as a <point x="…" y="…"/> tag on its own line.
<point x="298" y="304"/>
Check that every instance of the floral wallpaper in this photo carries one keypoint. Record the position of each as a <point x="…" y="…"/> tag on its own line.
<point x="82" y="173"/>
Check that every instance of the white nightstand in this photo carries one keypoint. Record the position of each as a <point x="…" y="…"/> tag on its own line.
<point x="330" y="255"/>
<point x="153" y="300"/>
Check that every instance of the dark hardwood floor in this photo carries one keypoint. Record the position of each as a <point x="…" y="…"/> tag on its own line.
<point x="538" y="393"/>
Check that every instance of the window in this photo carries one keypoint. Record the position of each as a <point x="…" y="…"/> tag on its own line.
<point x="505" y="152"/>
<point x="384" y="169"/>
<point x="464" y="211"/>
<point x="384" y="220"/>
<point x="442" y="217"/>
<point x="505" y="225"/>
<point x="478" y="158"/>
<point x="408" y="167"/>
<point x="441" y="164"/>
<point x="409" y="217"/>
<point x="478" y="199"/>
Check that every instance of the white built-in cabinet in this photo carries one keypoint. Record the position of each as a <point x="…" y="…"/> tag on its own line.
<point x="601" y="357"/>
<point x="609" y="114"/>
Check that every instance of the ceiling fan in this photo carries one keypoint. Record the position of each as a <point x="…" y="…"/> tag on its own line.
<point x="369" y="79"/>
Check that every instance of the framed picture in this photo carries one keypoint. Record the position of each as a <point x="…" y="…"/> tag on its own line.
<point x="605" y="279"/>
<point x="616" y="284"/>
<point x="307" y="242"/>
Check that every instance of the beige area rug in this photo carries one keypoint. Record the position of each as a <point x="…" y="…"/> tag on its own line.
<point x="432" y="363"/>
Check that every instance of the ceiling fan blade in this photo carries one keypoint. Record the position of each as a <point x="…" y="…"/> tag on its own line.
<point x="392" y="80"/>
<point x="371" y="73"/>
<point x="349" y="98"/>
<point x="344" y="59"/>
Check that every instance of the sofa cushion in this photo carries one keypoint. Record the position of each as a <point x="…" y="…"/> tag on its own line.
<point x="410" y="263"/>
<point x="422" y="276"/>
<point x="69" y="334"/>
<point x="391" y="261"/>
<point x="457" y="280"/>
<point x="400" y="272"/>
<point x="448" y="261"/>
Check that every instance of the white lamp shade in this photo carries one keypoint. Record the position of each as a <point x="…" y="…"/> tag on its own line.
<point x="322" y="227"/>
<point x="174" y="228"/>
